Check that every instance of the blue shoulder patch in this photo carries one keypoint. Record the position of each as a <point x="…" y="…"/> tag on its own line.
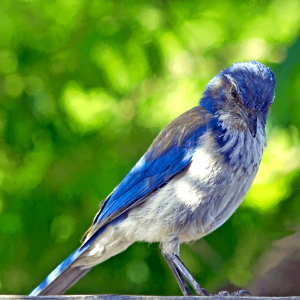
<point x="170" y="153"/>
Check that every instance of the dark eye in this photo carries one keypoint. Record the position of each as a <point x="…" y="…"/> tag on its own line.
<point x="233" y="93"/>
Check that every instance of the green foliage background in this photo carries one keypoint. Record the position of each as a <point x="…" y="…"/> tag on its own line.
<point x="86" y="85"/>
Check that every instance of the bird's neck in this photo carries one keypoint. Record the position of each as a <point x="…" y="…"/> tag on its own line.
<point x="238" y="147"/>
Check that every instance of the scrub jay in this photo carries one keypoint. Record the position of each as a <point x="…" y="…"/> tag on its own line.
<point x="190" y="181"/>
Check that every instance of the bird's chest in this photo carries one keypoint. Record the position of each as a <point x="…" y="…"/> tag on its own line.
<point x="214" y="187"/>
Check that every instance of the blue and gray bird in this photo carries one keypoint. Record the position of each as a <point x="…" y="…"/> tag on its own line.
<point x="190" y="181"/>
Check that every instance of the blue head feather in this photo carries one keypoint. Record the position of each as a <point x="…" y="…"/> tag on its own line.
<point x="253" y="81"/>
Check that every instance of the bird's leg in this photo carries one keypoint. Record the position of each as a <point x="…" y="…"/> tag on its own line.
<point x="170" y="251"/>
<point x="180" y="280"/>
<point x="196" y="286"/>
<point x="187" y="274"/>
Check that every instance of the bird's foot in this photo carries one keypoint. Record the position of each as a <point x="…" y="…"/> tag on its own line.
<point x="234" y="294"/>
<point x="202" y="292"/>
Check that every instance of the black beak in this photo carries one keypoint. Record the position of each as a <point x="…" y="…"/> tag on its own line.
<point x="252" y="123"/>
<point x="251" y="120"/>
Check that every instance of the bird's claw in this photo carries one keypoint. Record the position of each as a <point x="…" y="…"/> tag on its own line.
<point x="204" y="293"/>
<point x="240" y="293"/>
<point x="223" y="293"/>
<point x="234" y="294"/>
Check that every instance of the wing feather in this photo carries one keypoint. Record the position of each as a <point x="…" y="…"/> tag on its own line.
<point x="170" y="153"/>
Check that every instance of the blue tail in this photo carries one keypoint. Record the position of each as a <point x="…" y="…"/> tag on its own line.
<point x="62" y="277"/>
<point x="65" y="275"/>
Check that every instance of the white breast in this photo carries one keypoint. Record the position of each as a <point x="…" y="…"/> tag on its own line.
<point x="202" y="170"/>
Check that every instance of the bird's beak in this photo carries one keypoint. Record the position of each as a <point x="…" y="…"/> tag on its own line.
<point x="251" y="120"/>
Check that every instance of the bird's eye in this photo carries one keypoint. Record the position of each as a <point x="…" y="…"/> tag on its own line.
<point x="233" y="93"/>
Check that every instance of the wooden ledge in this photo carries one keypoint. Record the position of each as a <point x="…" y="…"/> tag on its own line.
<point x="137" y="297"/>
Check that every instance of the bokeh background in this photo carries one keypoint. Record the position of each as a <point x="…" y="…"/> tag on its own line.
<point x="86" y="85"/>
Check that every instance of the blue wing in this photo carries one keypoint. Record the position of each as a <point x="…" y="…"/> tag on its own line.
<point x="170" y="153"/>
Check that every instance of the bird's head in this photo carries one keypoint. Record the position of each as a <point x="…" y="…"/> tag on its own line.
<point x="240" y="96"/>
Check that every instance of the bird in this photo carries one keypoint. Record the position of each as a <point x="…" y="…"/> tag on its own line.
<point x="192" y="178"/>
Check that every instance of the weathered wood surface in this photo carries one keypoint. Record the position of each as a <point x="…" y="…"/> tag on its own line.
<point x="128" y="297"/>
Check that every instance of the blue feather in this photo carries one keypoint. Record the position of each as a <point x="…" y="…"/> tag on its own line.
<point x="145" y="178"/>
<point x="166" y="158"/>
<point x="51" y="283"/>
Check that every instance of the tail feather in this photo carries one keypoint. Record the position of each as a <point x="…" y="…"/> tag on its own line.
<point x="61" y="278"/>
<point x="59" y="285"/>
<point x="67" y="273"/>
